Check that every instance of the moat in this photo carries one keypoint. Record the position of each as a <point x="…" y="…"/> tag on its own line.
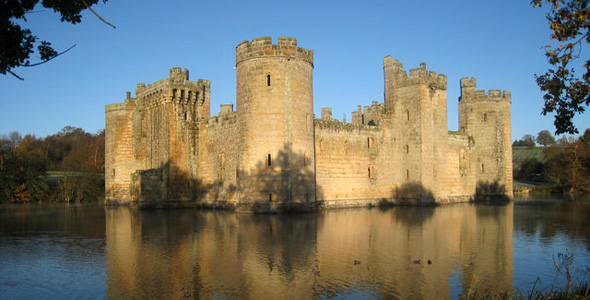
<point x="401" y="252"/>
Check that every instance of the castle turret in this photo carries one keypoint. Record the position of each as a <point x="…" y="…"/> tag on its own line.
<point x="416" y="104"/>
<point x="275" y="116"/>
<point x="485" y="117"/>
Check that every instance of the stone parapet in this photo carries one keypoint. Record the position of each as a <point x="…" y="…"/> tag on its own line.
<point x="468" y="91"/>
<point x="263" y="47"/>
<point x="116" y="107"/>
<point x="337" y="125"/>
<point x="417" y="75"/>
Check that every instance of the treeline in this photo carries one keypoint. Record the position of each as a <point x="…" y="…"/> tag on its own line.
<point x="64" y="167"/>
<point x="564" y="163"/>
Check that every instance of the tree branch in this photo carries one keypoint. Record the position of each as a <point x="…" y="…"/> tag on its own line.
<point x="12" y="73"/>
<point x="97" y="15"/>
<point x="40" y="63"/>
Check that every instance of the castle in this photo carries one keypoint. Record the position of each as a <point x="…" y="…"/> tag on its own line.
<point x="163" y="148"/>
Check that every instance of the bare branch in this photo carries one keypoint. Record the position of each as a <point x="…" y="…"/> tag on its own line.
<point x="40" y="63"/>
<point x="34" y="11"/>
<point x="97" y="15"/>
<point x="12" y="73"/>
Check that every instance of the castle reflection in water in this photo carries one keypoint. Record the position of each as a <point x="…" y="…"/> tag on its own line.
<point x="375" y="253"/>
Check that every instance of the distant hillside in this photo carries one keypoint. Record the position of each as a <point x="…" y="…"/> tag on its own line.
<point x="521" y="154"/>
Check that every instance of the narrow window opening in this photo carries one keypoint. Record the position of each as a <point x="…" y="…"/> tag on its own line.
<point x="185" y="116"/>
<point x="113" y="172"/>
<point x="203" y="101"/>
<point x="269" y="197"/>
<point x="268" y="80"/>
<point x="221" y="160"/>
<point x="305" y="159"/>
<point x="407" y="174"/>
<point x="408" y="115"/>
<point x="174" y="94"/>
<point x="483" y="168"/>
<point x="371" y="142"/>
<point x="196" y="97"/>
<point x="181" y="94"/>
<point x="190" y="96"/>
<point x="407" y="149"/>
<point x="269" y="160"/>
<point x="371" y="170"/>
<point x="485" y="117"/>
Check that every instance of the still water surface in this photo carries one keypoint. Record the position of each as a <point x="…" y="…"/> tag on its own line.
<point x="89" y="252"/>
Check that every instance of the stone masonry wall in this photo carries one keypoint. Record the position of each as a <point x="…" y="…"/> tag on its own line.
<point x="486" y="118"/>
<point x="120" y="158"/>
<point x="218" y="158"/>
<point x="275" y="121"/>
<point x="163" y="147"/>
<point x="347" y="164"/>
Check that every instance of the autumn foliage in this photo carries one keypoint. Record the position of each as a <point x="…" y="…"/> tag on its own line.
<point x="64" y="167"/>
<point x="568" y="164"/>
<point x="567" y="91"/>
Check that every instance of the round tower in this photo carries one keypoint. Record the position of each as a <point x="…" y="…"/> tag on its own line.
<point x="276" y="166"/>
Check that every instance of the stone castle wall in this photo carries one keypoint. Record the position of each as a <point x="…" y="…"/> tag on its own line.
<point x="218" y="158"/>
<point x="119" y="151"/>
<point x="347" y="163"/>
<point x="164" y="148"/>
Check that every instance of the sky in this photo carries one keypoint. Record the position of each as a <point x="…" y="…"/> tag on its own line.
<point x="498" y="42"/>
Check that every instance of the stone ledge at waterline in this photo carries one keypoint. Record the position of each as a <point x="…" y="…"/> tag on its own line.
<point x="164" y="149"/>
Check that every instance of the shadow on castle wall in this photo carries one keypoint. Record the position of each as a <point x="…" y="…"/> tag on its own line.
<point x="286" y="182"/>
<point x="170" y="186"/>
<point x="412" y="193"/>
<point x="491" y="192"/>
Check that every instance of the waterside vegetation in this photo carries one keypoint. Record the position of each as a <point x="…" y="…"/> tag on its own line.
<point x="562" y="166"/>
<point x="64" y="167"/>
<point x="564" y="272"/>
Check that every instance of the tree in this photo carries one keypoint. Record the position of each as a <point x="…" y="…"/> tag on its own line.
<point x="15" y="139"/>
<point x="568" y="165"/>
<point x="531" y="169"/>
<point x="528" y="141"/>
<point x="545" y="138"/>
<point x="566" y="93"/>
<point x="585" y="138"/>
<point x="17" y="43"/>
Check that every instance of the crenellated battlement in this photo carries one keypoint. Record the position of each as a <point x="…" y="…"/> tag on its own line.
<point x="469" y="92"/>
<point x="178" y="73"/>
<point x="176" y="87"/>
<point x="417" y="75"/>
<point x="335" y="125"/>
<point x="369" y="115"/>
<point x="263" y="47"/>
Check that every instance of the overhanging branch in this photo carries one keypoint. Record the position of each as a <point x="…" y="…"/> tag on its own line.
<point x="97" y="15"/>
<point x="42" y="62"/>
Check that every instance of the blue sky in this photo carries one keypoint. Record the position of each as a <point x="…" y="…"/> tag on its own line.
<point x="498" y="42"/>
